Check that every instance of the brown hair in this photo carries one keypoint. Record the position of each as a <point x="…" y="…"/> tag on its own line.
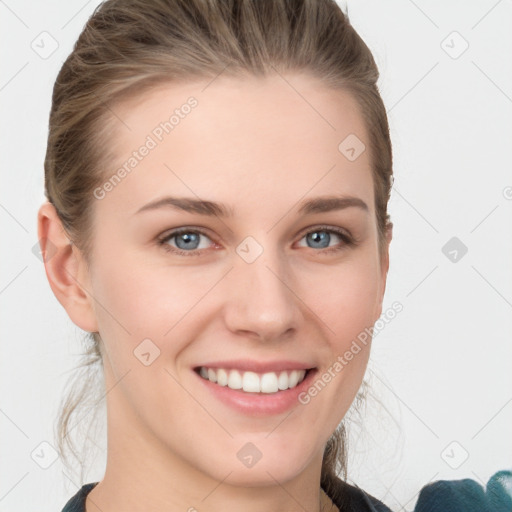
<point x="129" y="46"/>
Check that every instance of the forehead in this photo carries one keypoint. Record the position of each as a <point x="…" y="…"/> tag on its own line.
<point x="240" y="140"/>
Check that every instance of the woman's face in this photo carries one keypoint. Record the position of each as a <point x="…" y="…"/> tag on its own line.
<point x="259" y="278"/>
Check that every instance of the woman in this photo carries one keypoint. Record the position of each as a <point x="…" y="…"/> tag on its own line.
<point x="217" y="176"/>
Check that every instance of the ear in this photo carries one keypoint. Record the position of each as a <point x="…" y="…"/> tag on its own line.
<point x="65" y="269"/>
<point x="384" y="266"/>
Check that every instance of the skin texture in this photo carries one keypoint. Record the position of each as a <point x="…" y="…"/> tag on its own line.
<point x="257" y="146"/>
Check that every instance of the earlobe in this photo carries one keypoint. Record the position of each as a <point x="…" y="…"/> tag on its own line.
<point x="65" y="269"/>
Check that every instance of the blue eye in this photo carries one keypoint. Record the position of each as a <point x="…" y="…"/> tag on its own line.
<point x="187" y="241"/>
<point x="321" y="238"/>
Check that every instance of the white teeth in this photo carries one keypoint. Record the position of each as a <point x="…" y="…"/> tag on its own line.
<point x="252" y="382"/>
<point x="234" y="380"/>
<point x="222" y="377"/>
<point x="282" y="382"/>
<point x="294" y="378"/>
<point x="269" y="383"/>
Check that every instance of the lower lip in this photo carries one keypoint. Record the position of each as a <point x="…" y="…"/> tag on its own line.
<point x="259" y="404"/>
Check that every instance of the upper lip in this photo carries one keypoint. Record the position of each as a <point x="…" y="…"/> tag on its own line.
<point x="249" y="365"/>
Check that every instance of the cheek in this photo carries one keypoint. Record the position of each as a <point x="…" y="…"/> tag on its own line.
<point x="135" y="301"/>
<point x="345" y="305"/>
<point x="346" y="300"/>
<point x="144" y="321"/>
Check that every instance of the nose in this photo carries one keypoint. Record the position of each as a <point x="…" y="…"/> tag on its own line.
<point x="261" y="301"/>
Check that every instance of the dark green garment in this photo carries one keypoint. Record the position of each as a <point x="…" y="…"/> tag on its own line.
<point x="467" y="495"/>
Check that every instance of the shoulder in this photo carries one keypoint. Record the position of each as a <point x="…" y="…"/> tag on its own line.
<point x="77" y="502"/>
<point x="351" y="498"/>
<point x="464" y="495"/>
<point x="467" y="495"/>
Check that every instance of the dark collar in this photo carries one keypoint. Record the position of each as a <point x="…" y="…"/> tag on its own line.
<point x="346" y="497"/>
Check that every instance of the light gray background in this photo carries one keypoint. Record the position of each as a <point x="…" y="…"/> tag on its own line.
<point x="442" y="366"/>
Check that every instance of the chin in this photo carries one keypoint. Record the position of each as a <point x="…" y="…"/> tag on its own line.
<point x="262" y="476"/>
<point x="277" y="465"/>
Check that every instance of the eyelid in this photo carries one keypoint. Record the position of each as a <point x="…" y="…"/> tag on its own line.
<point x="326" y="227"/>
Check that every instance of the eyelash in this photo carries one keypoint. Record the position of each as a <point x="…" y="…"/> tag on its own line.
<point x="348" y="241"/>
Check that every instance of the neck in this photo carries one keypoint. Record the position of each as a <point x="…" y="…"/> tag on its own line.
<point x="144" y="474"/>
<point x="130" y="485"/>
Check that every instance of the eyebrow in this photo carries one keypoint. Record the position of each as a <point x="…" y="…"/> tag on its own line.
<point x="210" y="208"/>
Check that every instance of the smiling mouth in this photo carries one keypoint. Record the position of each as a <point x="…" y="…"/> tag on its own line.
<point x="252" y="382"/>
